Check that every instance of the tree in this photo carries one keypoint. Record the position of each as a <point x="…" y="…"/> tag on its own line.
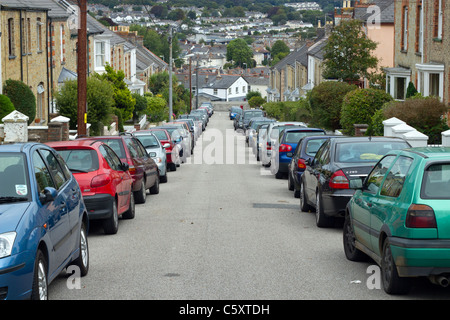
<point x="21" y="97"/>
<point x="6" y="106"/>
<point x="239" y="52"/>
<point x="348" y="52"/>
<point x="411" y="91"/>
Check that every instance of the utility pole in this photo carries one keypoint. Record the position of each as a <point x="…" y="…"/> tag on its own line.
<point x="196" y="84"/>
<point x="170" y="75"/>
<point x="82" y="68"/>
<point x="190" y="84"/>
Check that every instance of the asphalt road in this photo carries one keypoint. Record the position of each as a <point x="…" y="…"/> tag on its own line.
<point x="223" y="228"/>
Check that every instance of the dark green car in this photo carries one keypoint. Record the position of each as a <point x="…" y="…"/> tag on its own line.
<point x="400" y="217"/>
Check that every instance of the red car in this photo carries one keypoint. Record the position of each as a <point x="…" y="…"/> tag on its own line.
<point x="143" y="168"/>
<point x="104" y="180"/>
<point x="172" y="155"/>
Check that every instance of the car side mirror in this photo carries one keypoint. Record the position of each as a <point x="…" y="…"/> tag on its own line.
<point x="49" y="195"/>
<point x="125" y="166"/>
<point x="166" y="145"/>
<point x="309" y="162"/>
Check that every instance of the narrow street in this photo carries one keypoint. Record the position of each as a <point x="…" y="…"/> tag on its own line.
<point x="224" y="232"/>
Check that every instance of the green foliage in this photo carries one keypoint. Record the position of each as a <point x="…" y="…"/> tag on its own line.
<point x="6" y="106"/>
<point x="426" y="115"/>
<point x="21" y="97"/>
<point x="252" y="94"/>
<point x="256" y="101"/>
<point x="239" y="52"/>
<point x="157" y="109"/>
<point x="376" y="127"/>
<point x="289" y="110"/>
<point x="359" y="106"/>
<point x="326" y="103"/>
<point x="99" y="96"/>
<point x="348" y="52"/>
<point x="411" y="90"/>
<point x="122" y="95"/>
<point x="159" y="85"/>
<point x="140" y="107"/>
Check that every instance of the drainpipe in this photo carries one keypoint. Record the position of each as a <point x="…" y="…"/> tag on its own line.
<point x="49" y="69"/>
<point x="21" y="46"/>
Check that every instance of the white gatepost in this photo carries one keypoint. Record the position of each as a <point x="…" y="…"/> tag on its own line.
<point x="400" y="129"/>
<point x="16" y="127"/>
<point x="416" y="138"/>
<point x="389" y="124"/>
<point x="446" y="138"/>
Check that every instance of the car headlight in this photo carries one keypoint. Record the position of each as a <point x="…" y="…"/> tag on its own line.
<point x="157" y="159"/>
<point x="6" y="243"/>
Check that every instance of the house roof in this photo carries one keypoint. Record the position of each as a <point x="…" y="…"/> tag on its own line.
<point x="386" y="12"/>
<point x="22" y="4"/>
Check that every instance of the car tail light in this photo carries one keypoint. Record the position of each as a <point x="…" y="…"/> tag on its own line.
<point x="301" y="164"/>
<point x="269" y="147"/>
<point x="100" y="180"/>
<point x="284" y="148"/>
<point x="132" y="169"/>
<point x="420" y="216"/>
<point x="339" y="180"/>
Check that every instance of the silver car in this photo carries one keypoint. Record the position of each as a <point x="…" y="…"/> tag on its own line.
<point x="156" y="151"/>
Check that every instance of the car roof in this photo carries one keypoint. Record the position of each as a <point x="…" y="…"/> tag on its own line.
<point x="299" y="129"/>
<point x="430" y="152"/>
<point x="339" y="139"/>
<point x="74" y="143"/>
<point x="17" y="147"/>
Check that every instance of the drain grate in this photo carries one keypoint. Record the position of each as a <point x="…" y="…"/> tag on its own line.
<point x="276" y="206"/>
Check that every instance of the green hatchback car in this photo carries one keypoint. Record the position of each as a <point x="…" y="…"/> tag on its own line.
<point x="400" y="217"/>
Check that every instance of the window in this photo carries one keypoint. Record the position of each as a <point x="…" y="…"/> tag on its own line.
<point x="99" y="54"/>
<point x="55" y="168"/>
<point x="243" y="89"/>
<point x="237" y="90"/>
<point x="40" y="101"/>
<point x="405" y="29"/>
<point x="42" y="174"/>
<point x="399" y="88"/>
<point x="393" y="184"/>
<point x="229" y="91"/>
<point x="437" y="19"/>
<point x="11" y="44"/>
<point x="39" y="35"/>
<point x="373" y="182"/>
<point x="435" y="182"/>
<point x="62" y="43"/>
<point x="215" y="92"/>
<point x="24" y="38"/>
<point x="419" y="30"/>
<point x="434" y="84"/>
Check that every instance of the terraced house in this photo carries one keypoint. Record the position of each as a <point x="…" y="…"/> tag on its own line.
<point x="39" y="41"/>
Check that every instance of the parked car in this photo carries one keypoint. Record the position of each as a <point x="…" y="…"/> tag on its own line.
<point x="248" y="114"/>
<point x="207" y="108"/>
<point x="273" y="132"/>
<point x="234" y="111"/>
<point x="285" y="146"/>
<point x="325" y="182"/>
<point x="156" y="150"/>
<point x="43" y="221"/>
<point x="237" y="122"/>
<point x="202" y="112"/>
<point x="399" y="217"/>
<point x="188" y="137"/>
<point x="306" y="150"/>
<point x="177" y="139"/>
<point x="172" y="149"/>
<point x="142" y="167"/>
<point x="260" y="135"/>
<point x="105" y="182"/>
<point x="251" y="128"/>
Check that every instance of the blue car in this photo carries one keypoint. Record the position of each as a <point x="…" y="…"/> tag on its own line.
<point x="234" y="111"/>
<point x="288" y="140"/>
<point x="43" y="221"/>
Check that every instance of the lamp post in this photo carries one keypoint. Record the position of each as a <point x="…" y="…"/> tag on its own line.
<point x="82" y="69"/>
<point x="170" y="75"/>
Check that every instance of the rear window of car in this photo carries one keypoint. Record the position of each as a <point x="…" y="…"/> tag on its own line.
<point x="365" y="152"/>
<point x="313" y="145"/>
<point x="295" y="136"/>
<point x="161" y="135"/>
<point x="80" y="159"/>
<point x="117" y="146"/>
<point x="252" y="114"/>
<point x="435" y="182"/>
<point x="148" y="141"/>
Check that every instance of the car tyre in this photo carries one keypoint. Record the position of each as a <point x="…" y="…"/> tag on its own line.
<point x="290" y="183"/>
<point x="322" y="220"/>
<point x="140" y="196"/>
<point x="39" y="289"/>
<point x="351" y="252"/>
<point x="131" y="212"/>
<point x="155" y="188"/>
<point x="392" y="282"/>
<point x="304" y="206"/>
<point x="111" y="225"/>
<point x="83" y="260"/>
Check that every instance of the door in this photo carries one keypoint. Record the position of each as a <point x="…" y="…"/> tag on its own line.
<point x="116" y="175"/>
<point x="364" y="201"/>
<point x="55" y="214"/>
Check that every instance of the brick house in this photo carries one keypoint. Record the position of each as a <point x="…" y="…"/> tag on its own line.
<point x="421" y="49"/>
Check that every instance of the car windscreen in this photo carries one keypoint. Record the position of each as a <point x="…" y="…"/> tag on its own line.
<point x="435" y="182"/>
<point x="14" y="185"/>
<point x="295" y="136"/>
<point x="148" y="141"/>
<point x="161" y="135"/>
<point x="365" y="151"/>
<point x="252" y="114"/>
<point x="116" y="145"/>
<point x="84" y="160"/>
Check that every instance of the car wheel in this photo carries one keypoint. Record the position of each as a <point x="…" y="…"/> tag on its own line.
<point x="111" y="225"/>
<point x="351" y="252"/>
<point x="392" y="282"/>
<point x="131" y="212"/>
<point x="279" y="175"/>
<point x="322" y="220"/>
<point x="40" y="283"/>
<point x="155" y="188"/>
<point x="173" y="167"/>
<point x="141" y="195"/>
<point x="83" y="260"/>
<point x="290" y="182"/>
<point x="304" y="206"/>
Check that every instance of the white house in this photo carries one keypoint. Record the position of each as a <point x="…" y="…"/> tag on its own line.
<point x="223" y="87"/>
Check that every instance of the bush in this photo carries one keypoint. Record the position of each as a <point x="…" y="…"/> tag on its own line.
<point x="21" y="97"/>
<point x="424" y="114"/>
<point x="288" y="110"/>
<point x="359" y="106"/>
<point x="6" y="106"/>
<point x="326" y="102"/>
